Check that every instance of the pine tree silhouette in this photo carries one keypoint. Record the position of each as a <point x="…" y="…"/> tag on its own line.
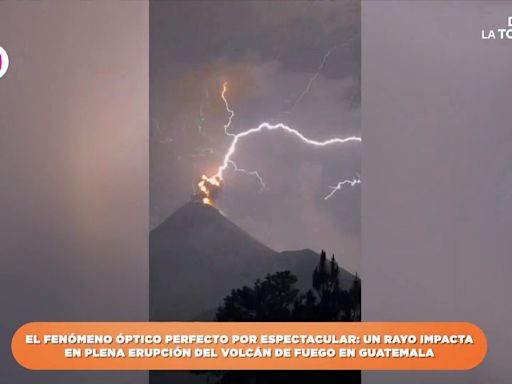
<point x="277" y="299"/>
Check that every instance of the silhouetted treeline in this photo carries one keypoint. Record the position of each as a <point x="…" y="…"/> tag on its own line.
<point x="276" y="298"/>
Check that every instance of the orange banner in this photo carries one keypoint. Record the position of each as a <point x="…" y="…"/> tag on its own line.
<point x="249" y="346"/>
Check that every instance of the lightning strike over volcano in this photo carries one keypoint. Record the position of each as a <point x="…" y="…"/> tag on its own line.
<point x="230" y="163"/>
<point x="209" y="186"/>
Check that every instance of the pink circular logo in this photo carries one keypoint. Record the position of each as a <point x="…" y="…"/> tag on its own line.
<point x="4" y="62"/>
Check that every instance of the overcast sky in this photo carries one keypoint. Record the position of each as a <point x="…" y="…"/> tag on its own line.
<point x="73" y="190"/>
<point x="267" y="52"/>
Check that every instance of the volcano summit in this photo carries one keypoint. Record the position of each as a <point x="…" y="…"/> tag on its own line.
<point x="198" y="256"/>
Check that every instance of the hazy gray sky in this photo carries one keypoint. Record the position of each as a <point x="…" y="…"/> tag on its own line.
<point x="267" y="52"/>
<point x="437" y="201"/>
<point x="73" y="185"/>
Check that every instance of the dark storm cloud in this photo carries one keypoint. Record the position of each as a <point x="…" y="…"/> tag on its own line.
<point x="268" y="52"/>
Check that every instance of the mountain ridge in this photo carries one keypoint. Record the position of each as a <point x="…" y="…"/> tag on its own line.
<point x="198" y="256"/>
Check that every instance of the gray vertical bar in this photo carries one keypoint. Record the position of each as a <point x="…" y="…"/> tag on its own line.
<point x="74" y="171"/>
<point x="437" y="201"/>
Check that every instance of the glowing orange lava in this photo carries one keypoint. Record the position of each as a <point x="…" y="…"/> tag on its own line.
<point x="208" y="188"/>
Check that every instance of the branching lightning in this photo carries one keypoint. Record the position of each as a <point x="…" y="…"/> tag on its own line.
<point x="272" y="127"/>
<point x="340" y="184"/>
<point x="209" y="184"/>
<point x="250" y="173"/>
<point x="231" y="114"/>
<point x="219" y="176"/>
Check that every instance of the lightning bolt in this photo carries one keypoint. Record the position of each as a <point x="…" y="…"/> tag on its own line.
<point x="230" y="111"/>
<point x="340" y="184"/>
<point x="218" y="177"/>
<point x="250" y="173"/>
<point x="273" y="127"/>
<point x="317" y="73"/>
<point x="314" y="77"/>
<point x="231" y="114"/>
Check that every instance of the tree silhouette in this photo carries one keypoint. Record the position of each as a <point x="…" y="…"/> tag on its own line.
<point x="277" y="299"/>
<point x="273" y="299"/>
<point x="327" y="301"/>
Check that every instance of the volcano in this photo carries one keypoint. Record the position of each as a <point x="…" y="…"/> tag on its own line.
<point x="198" y="256"/>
